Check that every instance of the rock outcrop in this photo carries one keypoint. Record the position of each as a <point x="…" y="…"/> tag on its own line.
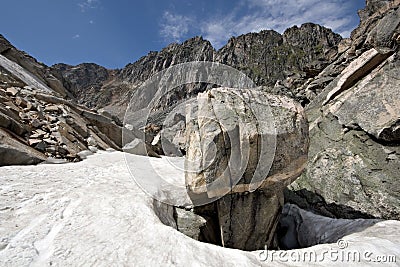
<point x="284" y="61"/>
<point x="14" y="152"/>
<point x="243" y="148"/>
<point x="354" y="154"/>
<point x="85" y="81"/>
<point x="46" y="125"/>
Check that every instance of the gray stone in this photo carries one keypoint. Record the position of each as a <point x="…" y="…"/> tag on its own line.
<point x="190" y="223"/>
<point x="231" y="139"/>
<point x="13" y="152"/>
<point x="11" y="124"/>
<point x="162" y="144"/>
<point x="84" y="154"/>
<point x="33" y="142"/>
<point x="41" y="146"/>
<point x="351" y="169"/>
<point x="50" y="141"/>
<point x="93" y="149"/>
<point x="91" y="141"/>
<point x="301" y="229"/>
<point x="139" y="147"/>
<point x="51" y="108"/>
<point x="36" y="123"/>
<point x="374" y="105"/>
<point x="12" y="91"/>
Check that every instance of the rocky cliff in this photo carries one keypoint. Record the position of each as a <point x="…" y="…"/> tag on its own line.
<point x="354" y="164"/>
<point x="267" y="57"/>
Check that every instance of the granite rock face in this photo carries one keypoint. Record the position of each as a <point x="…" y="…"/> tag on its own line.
<point x="354" y="146"/>
<point x="267" y="57"/>
<point x="354" y="164"/>
<point x="243" y="148"/>
<point x="378" y="26"/>
<point x="42" y="73"/>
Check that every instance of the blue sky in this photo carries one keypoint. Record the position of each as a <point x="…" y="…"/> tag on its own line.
<point x="115" y="33"/>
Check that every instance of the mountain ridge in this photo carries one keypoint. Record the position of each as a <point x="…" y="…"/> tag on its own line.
<point x="251" y="53"/>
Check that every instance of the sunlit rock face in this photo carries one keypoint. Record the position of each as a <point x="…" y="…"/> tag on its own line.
<point x="243" y="148"/>
<point x="354" y="156"/>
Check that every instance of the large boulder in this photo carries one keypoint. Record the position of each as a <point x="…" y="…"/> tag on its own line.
<point x="243" y="148"/>
<point x="14" y="152"/>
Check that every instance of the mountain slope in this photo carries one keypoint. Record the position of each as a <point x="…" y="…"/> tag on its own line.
<point x="39" y="119"/>
<point x="266" y="57"/>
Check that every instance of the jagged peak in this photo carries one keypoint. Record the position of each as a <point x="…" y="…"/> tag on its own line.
<point x="254" y="34"/>
<point x="194" y="41"/>
<point x="307" y="26"/>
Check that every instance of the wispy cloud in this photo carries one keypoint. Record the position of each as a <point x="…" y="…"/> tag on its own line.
<point x="257" y="15"/>
<point x="279" y="15"/>
<point x="174" y="27"/>
<point x="89" y="4"/>
<point x="76" y="36"/>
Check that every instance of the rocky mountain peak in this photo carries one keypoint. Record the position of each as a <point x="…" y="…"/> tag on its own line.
<point x="268" y="36"/>
<point x="89" y="76"/>
<point x="194" y="49"/>
<point x="266" y="57"/>
<point x="311" y="35"/>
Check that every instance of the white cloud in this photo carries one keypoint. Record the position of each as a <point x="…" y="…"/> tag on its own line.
<point x="279" y="15"/>
<point x="76" y="36"/>
<point x="174" y="27"/>
<point x="89" y="4"/>
<point x="257" y="15"/>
